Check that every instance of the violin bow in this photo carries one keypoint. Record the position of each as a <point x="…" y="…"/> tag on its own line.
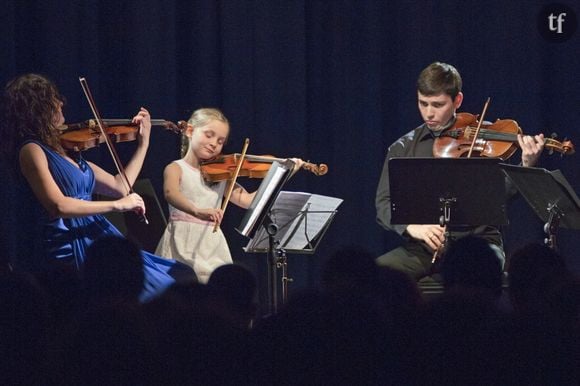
<point x="478" y="127"/>
<point x="233" y="180"/>
<point x="108" y="141"/>
<point x="439" y="250"/>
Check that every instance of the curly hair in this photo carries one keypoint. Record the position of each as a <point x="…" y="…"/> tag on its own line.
<point x="29" y="103"/>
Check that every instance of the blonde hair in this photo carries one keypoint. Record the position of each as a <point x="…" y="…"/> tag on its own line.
<point x="199" y="118"/>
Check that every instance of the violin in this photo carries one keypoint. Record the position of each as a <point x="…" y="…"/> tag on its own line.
<point x="253" y="166"/>
<point x="498" y="139"/>
<point x="85" y="135"/>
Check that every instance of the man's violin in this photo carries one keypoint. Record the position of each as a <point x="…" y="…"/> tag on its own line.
<point x="472" y="136"/>
<point x="85" y="135"/>
<point x="498" y="139"/>
<point x="253" y="166"/>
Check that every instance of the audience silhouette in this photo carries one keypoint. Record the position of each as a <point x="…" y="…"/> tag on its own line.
<point x="546" y="330"/>
<point x="363" y="324"/>
<point x="535" y="271"/>
<point x="470" y="264"/>
<point x="24" y="331"/>
<point x="232" y="295"/>
<point x="113" y="271"/>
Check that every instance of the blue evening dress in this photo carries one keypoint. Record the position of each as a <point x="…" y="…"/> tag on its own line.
<point x="66" y="239"/>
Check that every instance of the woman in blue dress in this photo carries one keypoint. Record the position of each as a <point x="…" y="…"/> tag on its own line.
<point x="63" y="183"/>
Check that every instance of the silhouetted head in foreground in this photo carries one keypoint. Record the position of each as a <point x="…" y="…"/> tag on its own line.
<point x="471" y="264"/>
<point x="113" y="271"/>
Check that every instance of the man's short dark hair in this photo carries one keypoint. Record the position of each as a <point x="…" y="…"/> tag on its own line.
<point x="439" y="78"/>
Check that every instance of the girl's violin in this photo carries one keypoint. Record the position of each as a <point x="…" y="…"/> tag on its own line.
<point x="253" y="166"/>
<point x="498" y="139"/>
<point x="85" y="135"/>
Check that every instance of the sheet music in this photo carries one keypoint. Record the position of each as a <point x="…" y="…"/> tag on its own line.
<point x="300" y="217"/>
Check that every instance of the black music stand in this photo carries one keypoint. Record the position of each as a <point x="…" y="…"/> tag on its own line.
<point x="301" y="220"/>
<point x="280" y="222"/>
<point x="550" y="196"/>
<point x="447" y="191"/>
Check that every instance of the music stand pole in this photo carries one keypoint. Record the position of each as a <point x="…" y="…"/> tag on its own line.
<point x="444" y="221"/>
<point x="276" y="260"/>
<point x="272" y="230"/>
<point x="282" y="263"/>
<point x="551" y="226"/>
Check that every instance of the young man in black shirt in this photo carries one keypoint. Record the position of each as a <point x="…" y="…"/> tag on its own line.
<point x="439" y="96"/>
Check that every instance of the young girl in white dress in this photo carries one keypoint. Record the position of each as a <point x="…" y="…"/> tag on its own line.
<point x="194" y="204"/>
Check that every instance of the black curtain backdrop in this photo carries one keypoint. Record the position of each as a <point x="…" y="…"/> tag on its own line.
<point x="326" y="81"/>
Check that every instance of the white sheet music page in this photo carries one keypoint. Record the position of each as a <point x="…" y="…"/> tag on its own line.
<point x="300" y="218"/>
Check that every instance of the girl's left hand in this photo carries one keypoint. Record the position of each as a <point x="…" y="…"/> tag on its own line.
<point x="298" y="164"/>
<point x="143" y="118"/>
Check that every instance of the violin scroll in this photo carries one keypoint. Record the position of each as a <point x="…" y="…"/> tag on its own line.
<point x="178" y="128"/>
<point x="318" y="170"/>
<point x="566" y="147"/>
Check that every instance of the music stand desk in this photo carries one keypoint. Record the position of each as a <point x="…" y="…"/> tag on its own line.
<point x="543" y="189"/>
<point x="470" y="191"/>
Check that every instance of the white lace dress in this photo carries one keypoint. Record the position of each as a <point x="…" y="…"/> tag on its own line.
<point x="189" y="239"/>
